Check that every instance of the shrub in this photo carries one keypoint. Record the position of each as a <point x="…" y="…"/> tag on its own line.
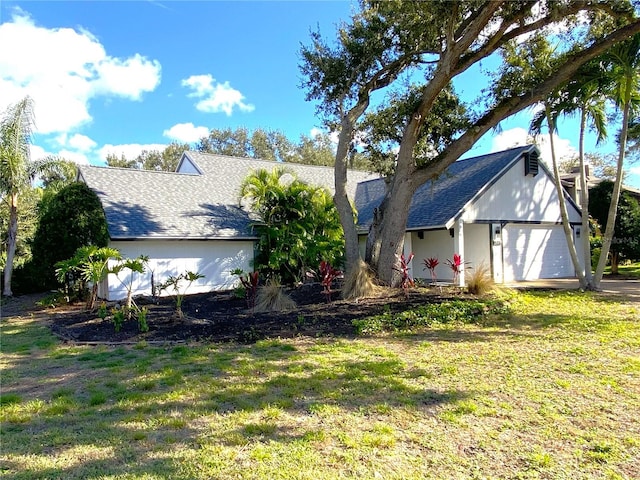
<point x="118" y="315"/>
<point x="358" y="282"/>
<point x="456" y="311"/>
<point x="143" y="326"/>
<point x="479" y="281"/>
<point x="271" y="298"/>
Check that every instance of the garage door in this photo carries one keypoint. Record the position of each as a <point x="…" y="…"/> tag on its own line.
<point x="533" y="252"/>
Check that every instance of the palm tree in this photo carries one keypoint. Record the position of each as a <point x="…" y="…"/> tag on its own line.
<point x="17" y="171"/>
<point x="623" y="63"/>
<point x="583" y="94"/>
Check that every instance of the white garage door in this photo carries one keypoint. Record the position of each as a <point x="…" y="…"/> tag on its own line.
<point x="533" y="252"/>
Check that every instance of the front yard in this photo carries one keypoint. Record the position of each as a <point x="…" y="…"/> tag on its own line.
<point x="550" y="390"/>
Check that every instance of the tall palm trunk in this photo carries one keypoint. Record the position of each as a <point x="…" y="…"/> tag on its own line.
<point x="584" y="206"/>
<point x="615" y="198"/>
<point x="568" y="233"/>
<point x="11" y="242"/>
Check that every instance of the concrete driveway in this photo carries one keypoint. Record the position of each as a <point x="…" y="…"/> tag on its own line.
<point x="629" y="288"/>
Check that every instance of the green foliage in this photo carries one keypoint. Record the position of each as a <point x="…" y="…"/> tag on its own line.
<point x="626" y="235"/>
<point x="455" y="311"/>
<point x="89" y="264"/>
<point x="299" y="225"/>
<point x="249" y="285"/>
<point x="102" y="310"/>
<point x="176" y="285"/>
<point x="164" y="160"/>
<point x="118" y="316"/>
<point x="143" y="326"/>
<point x="73" y="218"/>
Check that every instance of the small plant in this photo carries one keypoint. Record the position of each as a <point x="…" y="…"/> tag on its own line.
<point x="406" y="281"/>
<point x="143" y="326"/>
<point x="430" y="264"/>
<point x="175" y="284"/>
<point x="249" y="282"/>
<point x="271" y="298"/>
<point x="358" y="281"/>
<point x="327" y="275"/>
<point x="118" y="315"/>
<point x="457" y="265"/>
<point x="479" y="281"/>
<point x="102" y="311"/>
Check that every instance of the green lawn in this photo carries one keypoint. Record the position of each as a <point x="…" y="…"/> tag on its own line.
<point x="551" y="390"/>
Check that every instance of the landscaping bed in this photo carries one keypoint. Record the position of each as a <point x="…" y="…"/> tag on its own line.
<point x="221" y="316"/>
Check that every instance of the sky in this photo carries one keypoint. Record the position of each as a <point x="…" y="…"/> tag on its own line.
<point x="123" y="76"/>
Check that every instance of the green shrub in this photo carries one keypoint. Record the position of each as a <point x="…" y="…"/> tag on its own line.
<point x="455" y="311"/>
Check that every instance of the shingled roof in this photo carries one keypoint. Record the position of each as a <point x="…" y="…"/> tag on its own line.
<point x="204" y="205"/>
<point x="438" y="203"/>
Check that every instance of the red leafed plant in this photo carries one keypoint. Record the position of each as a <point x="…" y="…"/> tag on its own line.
<point x="431" y="263"/>
<point x="457" y="266"/>
<point x="327" y="275"/>
<point x="406" y="281"/>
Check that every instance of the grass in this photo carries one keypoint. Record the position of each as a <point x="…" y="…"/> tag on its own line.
<point x="631" y="270"/>
<point x="550" y="389"/>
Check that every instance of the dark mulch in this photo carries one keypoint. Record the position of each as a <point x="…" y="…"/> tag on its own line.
<point x="221" y="317"/>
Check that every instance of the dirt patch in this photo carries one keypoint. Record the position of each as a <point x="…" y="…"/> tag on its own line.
<point x="222" y="317"/>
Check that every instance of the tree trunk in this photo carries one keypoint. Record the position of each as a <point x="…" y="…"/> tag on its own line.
<point x="615" y="198"/>
<point x="11" y="243"/>
<point x="392" y="218"/>
<point x="584" y="206"/>
<point x="568" y="233"/>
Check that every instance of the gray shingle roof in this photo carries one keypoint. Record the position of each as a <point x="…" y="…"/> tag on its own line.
<point x="151" y="204"/>
<point x="436" y="203"/>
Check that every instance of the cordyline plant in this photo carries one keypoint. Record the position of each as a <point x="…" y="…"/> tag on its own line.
<point x="431" y="263"/>
<point x="327" y="275"/>
<point x="406" y="281"/>
<point x="175" y="284"/>
<point x="250" y="283"/>
<point x="457" y="265"/>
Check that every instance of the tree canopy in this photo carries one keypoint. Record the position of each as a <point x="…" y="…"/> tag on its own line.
<point x="398" y="45"/>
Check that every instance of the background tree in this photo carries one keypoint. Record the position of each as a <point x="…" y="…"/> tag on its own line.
<point x="435" y="42"/>
<point x="17" y="172"/>
<point x="73" y="218"/>
<point x="625" y="242"/>
<point x="165" y="160"/>
<point x="298" y="227"/>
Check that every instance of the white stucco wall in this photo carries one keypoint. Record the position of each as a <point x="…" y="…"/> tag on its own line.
<point x="516" y="197"/>
<point x="214" y="258"/>
<point x="440" y="244"/>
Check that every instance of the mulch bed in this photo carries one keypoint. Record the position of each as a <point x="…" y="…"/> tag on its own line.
<point x="221" y="317"/>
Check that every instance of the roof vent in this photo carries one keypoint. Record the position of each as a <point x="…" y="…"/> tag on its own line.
<point x="531" y="160"/>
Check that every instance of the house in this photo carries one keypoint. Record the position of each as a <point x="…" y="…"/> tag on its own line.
<point x="187" y="220"/>
<point x="500" y="209"/>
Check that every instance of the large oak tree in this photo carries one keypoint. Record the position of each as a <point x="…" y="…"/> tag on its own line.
<point x="433" y="43"/>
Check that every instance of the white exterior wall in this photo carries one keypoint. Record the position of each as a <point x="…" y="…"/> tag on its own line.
<point x="516" y="197"/>
<point x="440" y="244"/>
<point x="214" y="258"/>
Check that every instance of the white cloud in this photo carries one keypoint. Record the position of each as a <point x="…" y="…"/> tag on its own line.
<point x="215" y="97"/>
<point x="81" y="142"/>
<point x="186" y="132"/>
<point x="519" y="136"/>
<point x="62" y="69"/>
<point x="130" y="151"/>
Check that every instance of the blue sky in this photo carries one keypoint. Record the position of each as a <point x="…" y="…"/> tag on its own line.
<point x="122" y="76"/>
